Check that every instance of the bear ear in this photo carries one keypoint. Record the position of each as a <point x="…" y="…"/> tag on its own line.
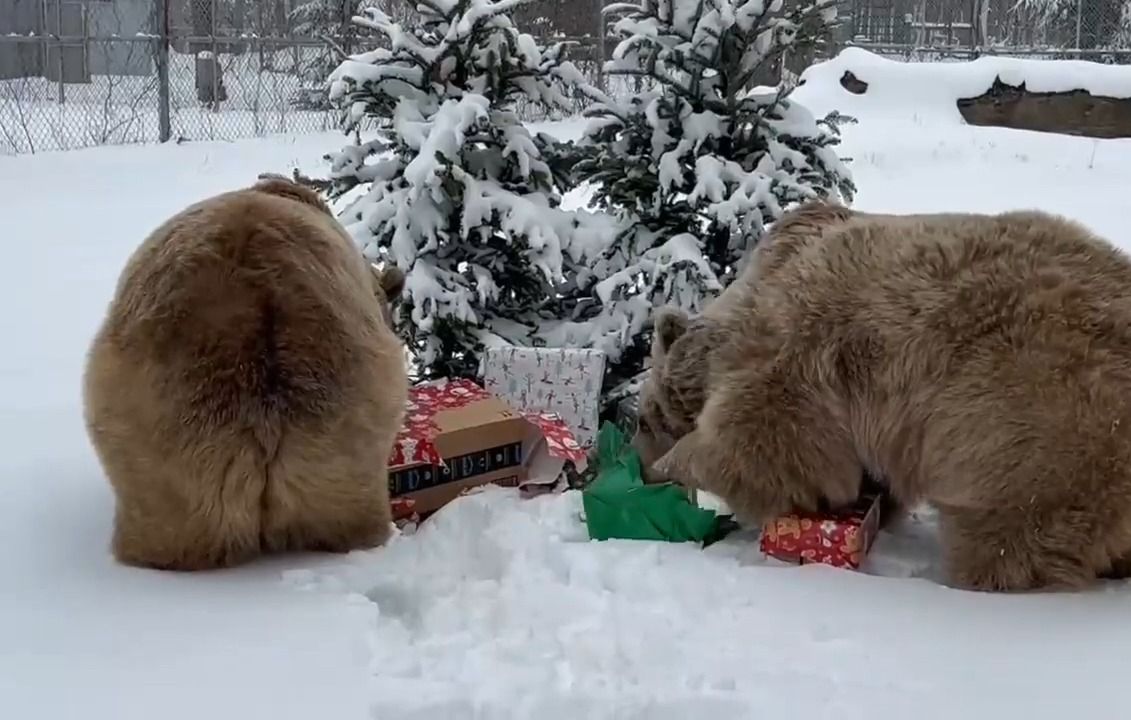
<point x="391" y="280"/>
<point x="281" y="186"/>
<point x="669" y="325"/>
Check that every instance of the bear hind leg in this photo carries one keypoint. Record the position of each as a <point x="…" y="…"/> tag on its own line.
<point x="322" y="496"/>
<point x="189" y="516"/>
<point x="1018" y="550"/>
<point x="1120" y="569"/>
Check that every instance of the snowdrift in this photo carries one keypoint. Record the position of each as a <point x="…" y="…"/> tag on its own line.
<point x="931" y="92"/>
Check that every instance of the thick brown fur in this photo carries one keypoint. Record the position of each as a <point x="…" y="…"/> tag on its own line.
<point x="245" y="389"/>
<point x="683" y="347"/>
<point x="978" y="363"/>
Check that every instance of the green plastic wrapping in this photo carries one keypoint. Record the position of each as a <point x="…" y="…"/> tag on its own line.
<point x="618" y="504"/>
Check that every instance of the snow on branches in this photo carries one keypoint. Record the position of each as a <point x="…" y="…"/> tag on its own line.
<point x="454" y="189"/>
<point x="697" y="162"/>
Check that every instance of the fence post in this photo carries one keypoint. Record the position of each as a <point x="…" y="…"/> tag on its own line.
<point x="599" y="37"/>
<point x="979" y="30"/>
<point x="164" y="122"/>
<point x="61" y="85"/>
<point x="1079" y="13"/>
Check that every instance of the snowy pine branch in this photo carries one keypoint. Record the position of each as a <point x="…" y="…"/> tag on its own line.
<point x="695" y="166"/>
<point x="456" y="190"/>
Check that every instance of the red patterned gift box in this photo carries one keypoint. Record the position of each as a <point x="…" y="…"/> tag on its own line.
<point x="403" y="508"/>
<point x="458" y="436"/>
<point x="838" y="538"/>
<point x="404" y="512"/>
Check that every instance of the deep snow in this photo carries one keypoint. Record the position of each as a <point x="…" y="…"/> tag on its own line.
<point x="499" y="607"/>
<point x="943" y="82"/>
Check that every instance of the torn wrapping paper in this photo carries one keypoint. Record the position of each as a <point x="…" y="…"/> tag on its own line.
<point x="618" y="503"/>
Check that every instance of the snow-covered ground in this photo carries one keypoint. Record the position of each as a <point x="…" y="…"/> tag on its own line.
<point x="499" y="607"/>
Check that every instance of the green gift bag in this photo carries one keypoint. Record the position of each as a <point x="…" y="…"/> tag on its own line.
<point x="619" y="505"/>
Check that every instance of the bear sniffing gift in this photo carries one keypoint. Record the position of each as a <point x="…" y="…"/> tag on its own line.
<point x="979" y="363"/>
<point x="245" y="390"/>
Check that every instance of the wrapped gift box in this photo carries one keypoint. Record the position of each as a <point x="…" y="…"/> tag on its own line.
<point x="458" y="436"/>
<point x="404" y="513"/>
<point x="565" y="382"/>
<point x="403" y="508"/>
<point x="838" y="538"/>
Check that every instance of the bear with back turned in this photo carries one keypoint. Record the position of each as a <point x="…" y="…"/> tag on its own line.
<point x="244" y="391"/>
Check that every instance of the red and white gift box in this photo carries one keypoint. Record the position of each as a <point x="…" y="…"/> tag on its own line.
<point x="563" y="381"/>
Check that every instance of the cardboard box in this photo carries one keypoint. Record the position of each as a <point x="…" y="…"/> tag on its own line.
<point x="458" y="436"/>
<point x="562" y="381"/>
<point x="839" y="538"/>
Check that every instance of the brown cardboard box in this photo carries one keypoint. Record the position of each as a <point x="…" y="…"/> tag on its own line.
<point x="458" y="436"/>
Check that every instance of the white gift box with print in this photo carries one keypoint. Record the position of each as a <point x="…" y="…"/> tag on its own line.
<point x="566" y="382"/>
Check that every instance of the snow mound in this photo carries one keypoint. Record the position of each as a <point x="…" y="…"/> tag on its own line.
<point x="930" y="91"/>
<point x="501" y="607"/>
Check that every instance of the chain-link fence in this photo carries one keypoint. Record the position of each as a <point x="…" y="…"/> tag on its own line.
<point x="1097" y="30"/>
<point x="78" y="73"/>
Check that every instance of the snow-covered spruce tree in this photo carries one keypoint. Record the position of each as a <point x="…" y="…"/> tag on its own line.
<point x="454" y="189"/>
<point x="698" y="163"/>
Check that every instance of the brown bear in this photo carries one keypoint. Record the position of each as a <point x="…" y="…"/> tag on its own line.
<point x="244" y="392"/>
<point x="980" y="363"/>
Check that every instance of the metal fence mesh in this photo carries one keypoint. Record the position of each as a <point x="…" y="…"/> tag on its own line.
<point x="80" y="73"/>
<point x="960" y="29"/>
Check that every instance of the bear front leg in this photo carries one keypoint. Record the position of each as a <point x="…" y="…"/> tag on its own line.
<point x="765" y="447"/>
